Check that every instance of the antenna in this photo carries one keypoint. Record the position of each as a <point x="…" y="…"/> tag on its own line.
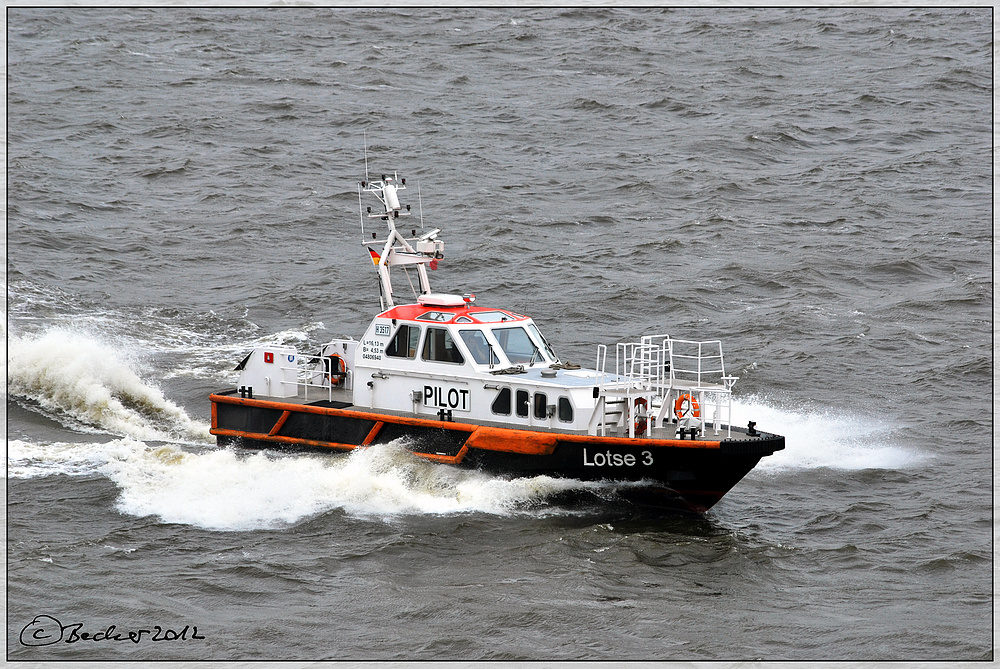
<point x="421" y="203"/>
<point x="362" y="213"/>
<point x="366" y="153"/>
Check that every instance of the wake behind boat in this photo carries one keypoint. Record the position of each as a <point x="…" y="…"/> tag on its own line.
<point x="480" y="387"/>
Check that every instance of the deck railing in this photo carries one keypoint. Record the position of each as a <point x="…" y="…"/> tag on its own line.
<point x="313" y="374"/>
<point x="653" y="374"/>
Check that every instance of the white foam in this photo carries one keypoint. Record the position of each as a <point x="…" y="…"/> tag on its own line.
<point x="826" y="438"/>
<point x="225" y="489"/>
<point x="89" y="383"/>
<point x="229" y="490"/>
<point x="27" y="460"/>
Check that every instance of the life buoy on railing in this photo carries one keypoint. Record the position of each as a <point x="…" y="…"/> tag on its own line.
<point x="336" y="369"/>
<point x="686" y="405"/>
<point x="640" y="420"/>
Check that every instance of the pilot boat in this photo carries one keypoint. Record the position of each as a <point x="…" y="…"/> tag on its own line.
<point x="480" y="387"/>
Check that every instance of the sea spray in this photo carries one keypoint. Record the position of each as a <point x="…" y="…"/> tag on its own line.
<point x="89" y="384"/>
<point x="234" y="489"/>
<point x="817" y="438"/>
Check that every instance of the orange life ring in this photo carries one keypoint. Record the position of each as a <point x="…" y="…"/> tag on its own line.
<point x="692" y="406"/>
<point x="640" y="423"/>
<point x="336" y="372"/>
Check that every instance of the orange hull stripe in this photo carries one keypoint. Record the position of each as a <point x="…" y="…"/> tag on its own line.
<point x="638" y="442"/>
<point x="373" y="433"/>
<point x="279" y="424"/>
<point x="279" y="439"/>
<point x="513" y="441"/>
<point x="445" y="459"/>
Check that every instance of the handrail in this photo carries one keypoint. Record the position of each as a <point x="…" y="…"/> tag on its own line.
<point x="308" y="367"/>
<point x="660" y="370"/>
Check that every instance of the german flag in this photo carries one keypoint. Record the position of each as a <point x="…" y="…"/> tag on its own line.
<point x="375" y="257"/>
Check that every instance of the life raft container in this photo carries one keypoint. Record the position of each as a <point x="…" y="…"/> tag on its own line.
<point x="685" y="406"/>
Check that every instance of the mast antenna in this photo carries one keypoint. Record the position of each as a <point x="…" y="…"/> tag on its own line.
<point x="365" y="132"/>
<point x="420" y="201"/>
<point x="361" y="212"/>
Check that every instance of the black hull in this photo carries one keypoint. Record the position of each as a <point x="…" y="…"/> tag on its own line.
<point x="692" y="475"/>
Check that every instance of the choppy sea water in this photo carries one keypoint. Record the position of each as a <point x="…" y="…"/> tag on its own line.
<point x="811" y="186"/>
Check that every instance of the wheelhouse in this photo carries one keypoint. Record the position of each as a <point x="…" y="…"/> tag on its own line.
<point x="481" y="337"/>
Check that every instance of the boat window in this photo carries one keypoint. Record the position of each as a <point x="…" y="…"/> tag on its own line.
<point x="404" y="343"/>
<point x="492" y="316"/>
<point x="463" y="319"/>
<point x="522" y="403"/>
<point x="481" y="350"/>
<point x="518" y="346"/>
<point x="565" y="410"/>
<point x="540" y="410"/>
<point x="440" y="347"/>
<point x="545" y="344"/>
<point x="501" y="405"/>
<point x="439" y="316"/>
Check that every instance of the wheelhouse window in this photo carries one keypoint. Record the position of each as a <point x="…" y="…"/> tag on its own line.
<point x="501" y="405"/>
<point x="404" y="343"/>
<point x="517" y="345"/>
<point x="565" y="410"/>
<point x="438" y="316"/>
<point x="522" y="403"/>
<point x="492" y="316"/>
<point x="480" y="349"/>
<point x="440" y="347"/>
<point x="545" y="344"/>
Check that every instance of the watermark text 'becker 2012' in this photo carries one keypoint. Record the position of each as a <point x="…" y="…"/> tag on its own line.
<point x="46" y="630"/>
